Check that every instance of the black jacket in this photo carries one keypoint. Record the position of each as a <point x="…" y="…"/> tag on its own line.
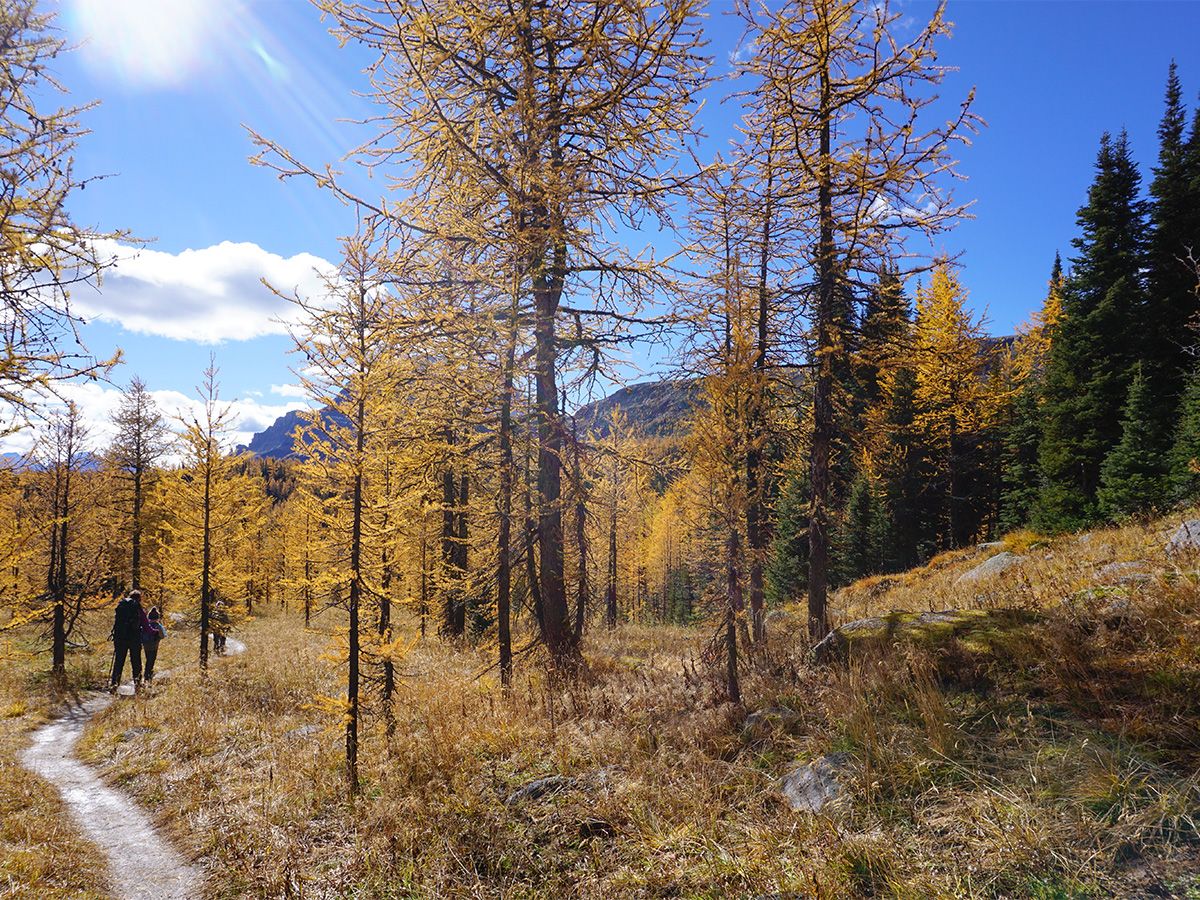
<point x="127" y="622"/>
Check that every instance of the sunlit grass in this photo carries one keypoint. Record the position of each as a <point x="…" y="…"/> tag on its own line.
<point x="1040" y="755"/>
<point x="980" y="768"/>
<point x="42" y="853"/>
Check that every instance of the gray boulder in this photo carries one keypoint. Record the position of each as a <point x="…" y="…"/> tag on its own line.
<point x="831" y="647"/>
<point x="1134" y="572"/>
<point x="811" y="787"/>
<point x="541" y="787"/>
<point x="1107" y="605"/>
<point x="990" y="567"/>
<point x="975" y="627"/>
<point x="1185" y="539"/>
<point x="766" y="721"/>
<point x="304" y="731"/>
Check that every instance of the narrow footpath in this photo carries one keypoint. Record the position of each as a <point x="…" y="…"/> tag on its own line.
<point x="142" y="863"/>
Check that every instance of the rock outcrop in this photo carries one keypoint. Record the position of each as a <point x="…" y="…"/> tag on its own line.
<point x="990" y="567"/>
<point x="980" y="627"/>
<point x="813" y="786"/>
<point x="1186" y="538"/>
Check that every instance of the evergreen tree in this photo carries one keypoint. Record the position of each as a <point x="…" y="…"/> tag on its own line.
<point x="787" y="562"/>
<point x="954" y="408"/>
<point x="1019" y="471"/>
<point x="1020" y="474"/>
<point x="861" y="541"/>
<point x="1175" y="228"/>
<point x="1088" y="373"/>
<point x="883" y="337"/>
<point x="883" y="331"/>
<point x="1184" y="460"/>
<point x="903" y="470"/>
<point x="1131" y="479"/>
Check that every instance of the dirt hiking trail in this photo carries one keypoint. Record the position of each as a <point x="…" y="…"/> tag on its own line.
<point x="142" y="863"/>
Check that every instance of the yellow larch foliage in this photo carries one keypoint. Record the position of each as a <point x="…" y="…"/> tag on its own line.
<point x="951" y="356"/>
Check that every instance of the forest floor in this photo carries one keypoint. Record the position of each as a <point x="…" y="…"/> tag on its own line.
<point x="42" y="852"/>
<point x="141" y="864"/>
<point x="65" y="832"/>
<point x="1045" y="746"/>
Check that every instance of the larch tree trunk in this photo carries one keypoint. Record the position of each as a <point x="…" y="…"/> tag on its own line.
<point x="504" y="536"/>
<point x="823" y="413"/>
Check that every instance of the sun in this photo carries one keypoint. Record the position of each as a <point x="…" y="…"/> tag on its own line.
<point x="153" y="43"/>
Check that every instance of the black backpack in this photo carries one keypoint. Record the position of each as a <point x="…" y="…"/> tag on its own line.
<point x="127" y="624"/>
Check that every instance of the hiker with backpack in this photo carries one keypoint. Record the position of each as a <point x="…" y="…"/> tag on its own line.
<point x="127" y="639"/>
<point x="152" y="632"/>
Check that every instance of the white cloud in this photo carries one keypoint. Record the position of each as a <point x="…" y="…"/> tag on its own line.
<point x="208" y="295"/>
<point x="295" y="391"/>
<point x="155" y="43"/>
<point x="97" y="403"/>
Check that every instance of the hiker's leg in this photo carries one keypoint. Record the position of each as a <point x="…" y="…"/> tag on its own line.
<point x="119" y="650"/>
<point x="151" y="651"/>
<point x="135" y="660"/>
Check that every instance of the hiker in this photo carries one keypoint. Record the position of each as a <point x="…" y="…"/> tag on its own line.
<point x="219" y="622"/>
<point x="126" y="636"/>
<point x="152" y="632"/>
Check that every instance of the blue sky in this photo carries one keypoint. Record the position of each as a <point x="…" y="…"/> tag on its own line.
<point x="179" y="79"/>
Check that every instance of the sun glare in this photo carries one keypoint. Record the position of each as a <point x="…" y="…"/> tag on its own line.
<point x="153" y="43"/>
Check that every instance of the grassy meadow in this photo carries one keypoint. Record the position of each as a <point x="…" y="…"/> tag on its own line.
<point x="1050" y="753"/>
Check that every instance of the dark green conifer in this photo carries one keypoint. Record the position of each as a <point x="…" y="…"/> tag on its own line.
<point x="855" y="550"/>
<point x="1091" y="358"/>
<point x="787" y="561"/>
<point x="1021" y="430"/>
<point x="1020" y="475"/>
<point x="1175" y="228"/>
<point x="1132" y="477"/>
<point x="882" y="334"/>
<point x="1184" y="461"/>
<point x="904" y="472"/>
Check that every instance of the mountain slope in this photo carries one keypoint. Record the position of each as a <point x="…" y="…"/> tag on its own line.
<point x="652" y="409"/>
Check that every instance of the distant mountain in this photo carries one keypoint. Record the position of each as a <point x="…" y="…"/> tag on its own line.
<point x="22" y="462"/>
<point x="651" y="408"/>
<point x="275" y="441"/>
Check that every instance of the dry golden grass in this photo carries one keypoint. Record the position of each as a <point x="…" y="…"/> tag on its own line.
<point x="1051" y="570"/>
<point x="1052" y="754"/>
<point x="972" y="776"/>
<point x="42" y="854"/>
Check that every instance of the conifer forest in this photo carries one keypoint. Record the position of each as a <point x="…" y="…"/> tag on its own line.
<point x="659" y="513"/>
